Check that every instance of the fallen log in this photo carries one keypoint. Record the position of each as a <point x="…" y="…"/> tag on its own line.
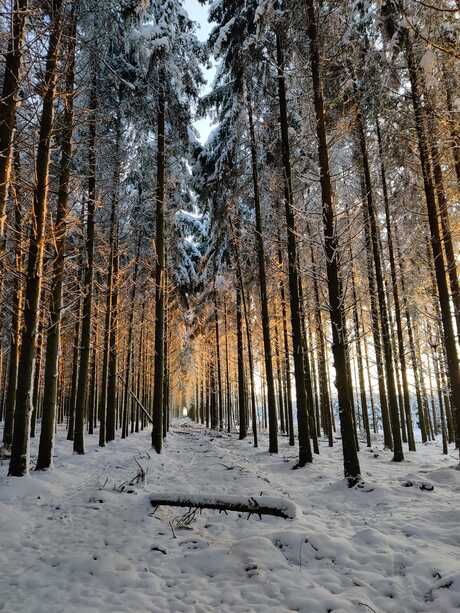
<point x="257" y="505"/>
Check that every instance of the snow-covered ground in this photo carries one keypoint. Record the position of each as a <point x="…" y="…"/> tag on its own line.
<point x="70" y="541"/>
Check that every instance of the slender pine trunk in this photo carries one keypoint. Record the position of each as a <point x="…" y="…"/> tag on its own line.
<point x="17" y="307"/>
<point x="371" y="223"/>
<point x="242" y="398"/>
<point x="129" y="343"/>
<point x="435" y="239"/>
<point x="395" y="290"/>
<point x="8" y="103"/>
<point x="20" y="446"/>
<point x="305" y="453"/>
<point x="272" y="417"/>
<point x="157" y="429"/>
<point x="220" y="408"/>
<point x="336" y="307"/>
<point x="86" y="324"/>
<point x="325" y="400"/>
<point x="45" y="449"/>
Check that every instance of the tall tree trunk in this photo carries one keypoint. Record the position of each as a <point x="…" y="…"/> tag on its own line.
<point x="105" y="359"/>
<point x="248" y="339"/>
<point x="140" y="367"/>
<point x="442" y="413"/>
<point x="93" y="386"/>
<point x="359" y="355"/>
<point x="129" y="342"/>
<point x="375" y="323"/>
<point x="111" y="418"/>
<point x="445" y="220"/>
<point x="336" y="307"/>
<point x="227" y="373"/>
<point x="435" y="240"/>
<point x="166" y="356"/>
<point x="323" y="389"/>
<point x="410" y="334"/>
<point x="370" y="220"/>
<point x="16" y="317"/>
<point x="279" y="377"/>
<point x="287" y="363"/>
<point x="157" y="430"/>
<point x="307" y="371"/>
<point x="368" y="371"/>
<point x="242" y="398"/>
<point x="111" y="424"/>
<point x="394" y="285"/>
<point x="305" y="453"/>
<point x="8" y="103"/>
<point x="45" y="449"/>
<point x="75" y="359"/>
<point x="19" y="453"/>
<point x="272" y="417"/>
<point x="220" y="408"/>
<point x="86" y="325"/>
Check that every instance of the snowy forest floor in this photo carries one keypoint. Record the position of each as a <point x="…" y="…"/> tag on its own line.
<point x="70" y="542"/>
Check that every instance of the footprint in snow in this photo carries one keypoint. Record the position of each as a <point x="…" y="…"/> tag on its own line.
<point x="194" y="544"/>
<point x="422" y="485"/>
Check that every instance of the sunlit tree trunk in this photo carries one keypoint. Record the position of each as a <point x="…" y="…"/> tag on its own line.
<point x="305" y="453"/>
<point x="219" y="369"/>
<point x="435" y="238"/>
<point x="158" y="400"/>
<point x="323" y="389"/>
<point x="129" y="347"/>
<point x="336" y="308"/>
<point x="371" y="223"/>
<point x="33" y="285"/>
<point x="16" y="316"/>
<point x="86" y="324"/>
<point x="395" y="291"/>
<point x="8" y="103"/>
<point x="272" y="417"/>
<point x="45" y="450"/>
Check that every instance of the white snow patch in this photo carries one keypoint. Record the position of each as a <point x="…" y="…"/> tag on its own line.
<point x="71" y="542"/>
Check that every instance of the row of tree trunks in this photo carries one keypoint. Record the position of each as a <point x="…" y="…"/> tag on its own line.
<point x="33" y="284"/>
<point x="336" y="306"/>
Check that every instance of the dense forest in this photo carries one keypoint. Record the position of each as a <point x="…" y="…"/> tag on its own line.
<point x="288" y="281"/>
<point x="304" y="256"/>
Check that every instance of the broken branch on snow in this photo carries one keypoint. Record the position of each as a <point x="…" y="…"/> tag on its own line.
<point x="258" y="505"/>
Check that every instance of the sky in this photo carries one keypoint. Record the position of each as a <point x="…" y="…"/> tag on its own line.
<point x="199" y="13"/>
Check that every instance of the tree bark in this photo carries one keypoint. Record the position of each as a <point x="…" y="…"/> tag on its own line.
<point x="395" y="290"/>
<point x="323" y="389"/>
<point x="16" y="317"/>
<point x="227" y="373"/>
<point x="45" y="450"/>
<point x="20" y="447"/>
<point x="86" y="325"/>
<point x="336" y="308"/>
<point x="129" y="343"/>
<point x="8" y="103"/>
<point x="370" y="220"/>
<point x="272" y="417"/>
<point x="220" y="408"/>
<point x="242" y="398"/>
<point x="305" y="453"/>
<point x="287" y="358"/>
<point x="435" y="239"/>
<point x="157" y="430"/>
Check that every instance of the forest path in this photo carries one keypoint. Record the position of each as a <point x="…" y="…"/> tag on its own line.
<point x="70" y="541"/>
